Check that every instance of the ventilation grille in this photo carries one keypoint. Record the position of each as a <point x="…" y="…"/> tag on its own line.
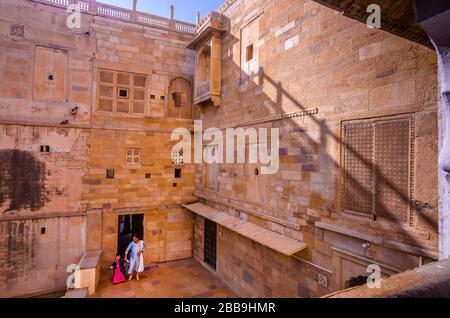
<point x="106" y="77"/>
<point x="140" y="81"/>
<point x="105" y="105"/>
<point x="359" y="168"/>
<point x="392" y="159"/>
<point x="378" y="161"/>
<point x="106" y="91"/>
<point x="123" y="79"/>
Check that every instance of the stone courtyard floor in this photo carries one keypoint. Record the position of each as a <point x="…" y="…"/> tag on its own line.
<point x="178" y="279"/>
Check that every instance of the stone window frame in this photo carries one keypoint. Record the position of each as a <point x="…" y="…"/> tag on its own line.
<point x="411" y="217"/>
<point x="137" y="88"/>
<point x="244" y="77"/>
<point x="131" y="155"/>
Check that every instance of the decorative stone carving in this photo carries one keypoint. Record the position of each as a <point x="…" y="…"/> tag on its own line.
<point x="207" y="43"/>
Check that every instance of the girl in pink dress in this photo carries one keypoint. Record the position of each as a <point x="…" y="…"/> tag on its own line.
<point x="118" y="270"/>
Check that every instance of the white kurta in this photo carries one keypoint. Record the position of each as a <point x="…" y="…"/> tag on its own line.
<point x="134" y="250"/>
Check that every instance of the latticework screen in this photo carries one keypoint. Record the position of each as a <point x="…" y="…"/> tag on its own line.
<point x="377" y="157"/>
<point x="121" y="92"/>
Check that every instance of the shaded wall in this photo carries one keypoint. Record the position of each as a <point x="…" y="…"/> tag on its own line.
<point x="35" y="253"/>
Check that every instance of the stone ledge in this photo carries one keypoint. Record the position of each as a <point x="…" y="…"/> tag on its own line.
<point x="76" y="293"/>
<point x="90" y="259"/>
<point x="89" y="272"/>
<point x="432" y="280"/>
<point x="410" y="249"/>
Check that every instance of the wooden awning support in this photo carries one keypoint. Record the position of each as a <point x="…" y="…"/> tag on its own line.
<point x="277" y="242"/>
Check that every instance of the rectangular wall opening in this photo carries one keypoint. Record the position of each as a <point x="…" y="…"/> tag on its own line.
<point x="129" y="225"/>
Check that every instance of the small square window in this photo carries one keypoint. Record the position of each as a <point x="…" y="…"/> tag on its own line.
<point x="249" y="53"/>
<point x="163" y="98"/>
<point x="177" y="173"/>
<point x="123" y="93"/>
<point x="152" y="97"/>
<point x="45" y="148"/>
<point x="42" y="230"/>
<point x="133" y="156"/>
<point x="148" y="176"/>
<point x="110" y="174"/>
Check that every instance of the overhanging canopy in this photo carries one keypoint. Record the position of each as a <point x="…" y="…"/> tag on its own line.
<point x="277" y="242"/>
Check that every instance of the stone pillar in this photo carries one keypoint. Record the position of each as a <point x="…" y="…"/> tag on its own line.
<point x="94" y="230"/>
<point x="93" y="6"/>
<point x="134" y="14"/>
<point x="444" y="153"/>
<point x="198" y="18"/>
<point x="216" y="69"/>
<point x="434" y="17"/>
<point x="172" y="15"/>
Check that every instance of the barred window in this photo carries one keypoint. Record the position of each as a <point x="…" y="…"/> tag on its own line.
<point x="377" y="161"/>
<point x="121" y="92"/>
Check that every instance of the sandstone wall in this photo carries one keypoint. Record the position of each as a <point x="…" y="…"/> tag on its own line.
<point x="36" y="251"/>
<point x="49" y="97"/>
<point x="309" y="56"/>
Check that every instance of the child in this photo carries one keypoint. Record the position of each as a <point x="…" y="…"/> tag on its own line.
<point x="118" y="270"/>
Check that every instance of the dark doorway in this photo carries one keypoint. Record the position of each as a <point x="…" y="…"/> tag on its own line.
<point x="129" y="225"/>
<point x="210" y="243"/>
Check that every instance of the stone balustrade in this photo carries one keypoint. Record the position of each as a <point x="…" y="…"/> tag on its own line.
<point x="122" y="14"/>
<point x="203" y="89"/>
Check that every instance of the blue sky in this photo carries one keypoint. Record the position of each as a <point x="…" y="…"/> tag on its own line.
<point x="185" y="10"/>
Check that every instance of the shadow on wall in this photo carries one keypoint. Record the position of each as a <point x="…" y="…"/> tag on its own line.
<point x="311" y="147"/>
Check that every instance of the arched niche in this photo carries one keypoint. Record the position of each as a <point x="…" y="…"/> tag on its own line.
<point x="180" y="97"/>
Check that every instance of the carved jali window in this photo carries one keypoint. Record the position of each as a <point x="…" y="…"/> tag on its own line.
<point x="121" y="92"/>
<point x="377" y="157"/>
<point x="133" y="156"/>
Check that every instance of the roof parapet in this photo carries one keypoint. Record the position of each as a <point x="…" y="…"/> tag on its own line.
<point x="105" y="10"/>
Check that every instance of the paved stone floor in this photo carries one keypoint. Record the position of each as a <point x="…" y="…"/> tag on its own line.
<point x="179" y="279"/>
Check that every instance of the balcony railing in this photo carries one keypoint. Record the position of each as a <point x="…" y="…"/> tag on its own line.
<point x="122" y="14"/>
<point x="203" y="89"/>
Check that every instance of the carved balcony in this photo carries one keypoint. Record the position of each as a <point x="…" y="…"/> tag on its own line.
<point x="207" y="43"/>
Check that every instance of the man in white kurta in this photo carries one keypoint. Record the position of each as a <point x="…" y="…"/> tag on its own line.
<point x="135" y="249"/>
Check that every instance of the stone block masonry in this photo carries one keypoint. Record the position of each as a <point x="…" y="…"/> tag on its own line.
<point x="57" y="145"/>
<point x="85" y="124"/>
<point x="309" y="56"/>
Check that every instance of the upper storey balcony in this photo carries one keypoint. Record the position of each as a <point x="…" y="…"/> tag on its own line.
<point x="207" y="43"/>
<point x="133" y="16"/>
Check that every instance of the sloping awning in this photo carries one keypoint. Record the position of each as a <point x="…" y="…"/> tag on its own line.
<point x="277" y="242"/>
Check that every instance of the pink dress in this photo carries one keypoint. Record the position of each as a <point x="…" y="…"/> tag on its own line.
<point x="118" y="276"/>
